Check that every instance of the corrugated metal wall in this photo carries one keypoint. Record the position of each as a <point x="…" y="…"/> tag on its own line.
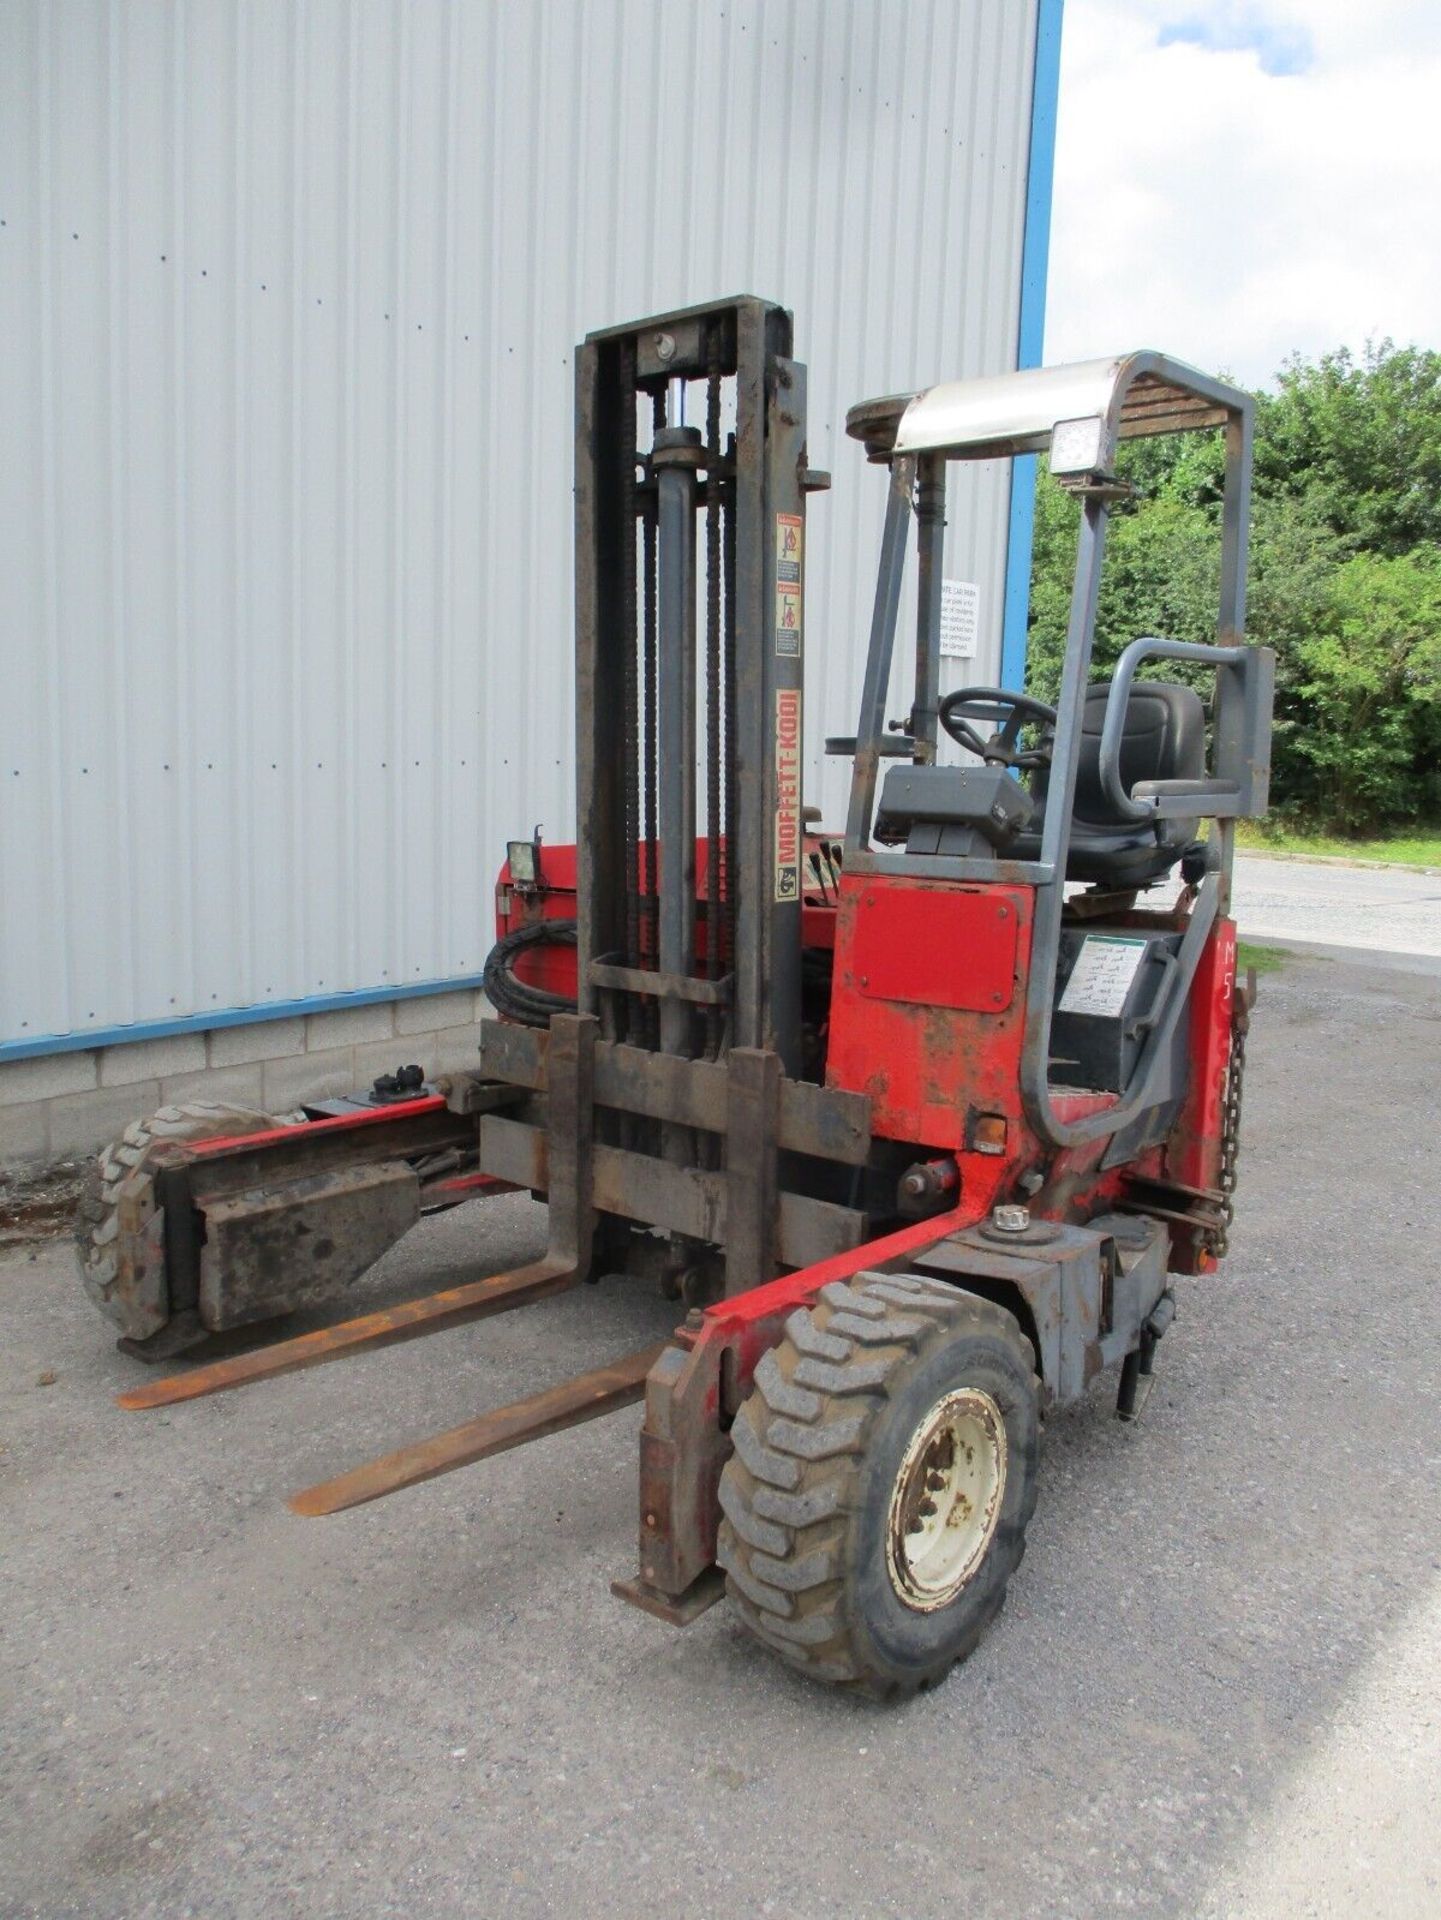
<point x="288" y="294"/>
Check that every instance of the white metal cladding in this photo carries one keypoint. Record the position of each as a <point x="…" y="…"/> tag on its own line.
<point x="289" y="298"/>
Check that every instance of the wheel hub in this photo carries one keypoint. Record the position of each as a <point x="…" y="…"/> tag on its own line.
<point x="946" y="1499"/>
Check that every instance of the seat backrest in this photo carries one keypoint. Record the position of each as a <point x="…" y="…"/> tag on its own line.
<point x="1165" y="739"/>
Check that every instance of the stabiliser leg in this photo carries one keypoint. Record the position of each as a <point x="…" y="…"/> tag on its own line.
<point x="1138" y="1369"/>
<point x="566" y="1260"/>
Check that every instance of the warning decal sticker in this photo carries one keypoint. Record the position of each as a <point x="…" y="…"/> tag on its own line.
<point x="960" y="619"/>
<point x="789" y="534"/>
<point x="788" y="793"/>
<point x="1100" y="981"/>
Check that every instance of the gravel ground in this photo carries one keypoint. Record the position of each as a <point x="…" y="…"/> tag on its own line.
<point x="432" y="1706"/>
<point x="1354" y="1830"/>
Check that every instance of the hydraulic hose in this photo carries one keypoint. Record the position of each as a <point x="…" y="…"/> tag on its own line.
<point x="511" y="997"/>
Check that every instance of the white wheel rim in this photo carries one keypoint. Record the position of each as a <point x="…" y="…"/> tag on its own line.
<point x="947" y="1499"/>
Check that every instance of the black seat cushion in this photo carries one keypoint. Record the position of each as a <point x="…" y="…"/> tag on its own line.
<point x="1165" y="739"/>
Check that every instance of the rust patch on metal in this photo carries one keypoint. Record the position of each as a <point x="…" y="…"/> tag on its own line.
<point x="450" y="1308"/>
<point x="586" y="1397"/>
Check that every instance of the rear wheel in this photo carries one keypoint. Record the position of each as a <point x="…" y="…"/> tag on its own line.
<point x="110" y="1268"/>
<point x="883" y="1475"/>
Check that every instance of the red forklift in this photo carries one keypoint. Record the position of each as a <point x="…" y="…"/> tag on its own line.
<point x="914" y="1119"/>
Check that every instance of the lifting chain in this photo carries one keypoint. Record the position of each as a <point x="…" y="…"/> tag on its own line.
<point x="630" y="749"/>
<point x="715" y="958"/>
<point x="1231" y="1118"/>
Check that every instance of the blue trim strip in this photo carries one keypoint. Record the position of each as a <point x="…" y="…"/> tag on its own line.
<point x="1031" y="330"/>
<point x="225" y="1017"/>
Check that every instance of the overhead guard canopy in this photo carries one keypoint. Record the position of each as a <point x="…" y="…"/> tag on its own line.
<point x="1075" y="413"/>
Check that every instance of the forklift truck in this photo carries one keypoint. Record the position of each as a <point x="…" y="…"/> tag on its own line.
<point x="915" y="1119"/>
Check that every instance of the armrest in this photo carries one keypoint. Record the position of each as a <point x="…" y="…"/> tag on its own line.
<point x="1176" y="799"/>
<point x="1225" y="797"/>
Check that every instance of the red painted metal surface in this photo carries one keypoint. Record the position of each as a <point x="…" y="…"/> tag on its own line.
<point x="339" y="1123"/>
<point x="465" y="1186"/>
<point x="928" y="1071"/>
<point x="1195" y="1157"/>
<point x="554" y="967"/>
<point x="987" y="1178"/>
<point x="928" y="1068"/>
<point x="795" y="1289"/>
<point x="1193" y="1153"/>
<point x="935" y="946"/>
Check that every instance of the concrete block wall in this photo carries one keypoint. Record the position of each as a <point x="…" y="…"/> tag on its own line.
<point x="63" y="1106"/>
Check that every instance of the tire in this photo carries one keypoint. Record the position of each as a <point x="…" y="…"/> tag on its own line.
<point x="99" y="1244"/>
<point x="890" y="1386"/>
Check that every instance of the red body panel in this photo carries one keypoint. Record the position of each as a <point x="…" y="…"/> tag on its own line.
<point x="554" y="967"/>
<point x="1193" y="1153"/>
<point x="935" y="946"/>
<point x="927" y="1018"/>
<point x="929" y="1024"/>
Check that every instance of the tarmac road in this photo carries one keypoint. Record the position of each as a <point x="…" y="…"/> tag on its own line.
<point x="1333" y="908"/>
<point x="1212" y="1689"/>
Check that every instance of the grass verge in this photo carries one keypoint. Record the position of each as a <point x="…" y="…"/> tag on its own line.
<point x="1263" y="959"/>
<point x="1418" y="848"/>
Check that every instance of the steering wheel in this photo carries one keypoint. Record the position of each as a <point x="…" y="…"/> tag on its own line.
<point x="1008" y="712"/>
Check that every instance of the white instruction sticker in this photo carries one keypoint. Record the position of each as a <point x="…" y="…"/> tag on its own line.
<point x="1102" y="975"/>
<point x="960" y="619"/>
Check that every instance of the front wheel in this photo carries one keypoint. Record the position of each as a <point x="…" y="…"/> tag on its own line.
<point x="884" y="1472"/>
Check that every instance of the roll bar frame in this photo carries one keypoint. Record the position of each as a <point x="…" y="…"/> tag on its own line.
<point x="1102" y="402"/>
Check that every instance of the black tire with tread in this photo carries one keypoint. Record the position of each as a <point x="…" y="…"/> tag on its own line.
<point x="805" y="1496"/>
<point x="97" y="1218"/>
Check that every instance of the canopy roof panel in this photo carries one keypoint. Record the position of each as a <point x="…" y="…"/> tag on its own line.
<point x="1126" y="396"/>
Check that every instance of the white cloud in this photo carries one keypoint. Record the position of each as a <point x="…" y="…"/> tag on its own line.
<point x="1230" y="214"/>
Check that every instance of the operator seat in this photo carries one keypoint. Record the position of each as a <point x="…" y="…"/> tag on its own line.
<point x="1164" y="739"/>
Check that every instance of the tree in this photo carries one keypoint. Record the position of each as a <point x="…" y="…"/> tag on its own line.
<point x="1161" y="576"/>
<point x="1361" y="442"/>
<point x="1369" y="676"/>
<point x="1342" y="581"/>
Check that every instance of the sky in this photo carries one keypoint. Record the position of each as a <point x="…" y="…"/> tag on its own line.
<point x="1237" y="180"/>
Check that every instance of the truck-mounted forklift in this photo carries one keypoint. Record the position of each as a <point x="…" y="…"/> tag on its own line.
<point x="914" y="1118"/>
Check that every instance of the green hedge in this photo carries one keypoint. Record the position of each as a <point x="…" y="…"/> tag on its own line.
<point x="1344" y="580"/>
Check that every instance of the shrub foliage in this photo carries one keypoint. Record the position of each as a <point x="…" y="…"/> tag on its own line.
<point x="1344" y="579"/>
